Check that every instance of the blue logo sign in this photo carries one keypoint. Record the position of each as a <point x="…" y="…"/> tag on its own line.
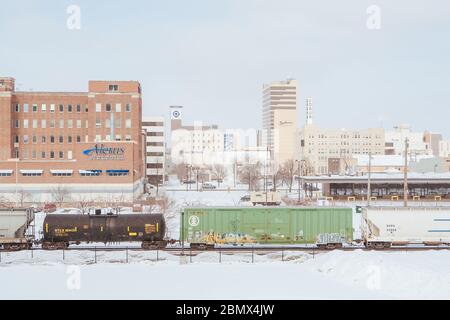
<point x="105" y="153"/>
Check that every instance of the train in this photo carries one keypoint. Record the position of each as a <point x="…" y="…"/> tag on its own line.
<point x="62" y="230"/>
<point x="14" y="223"/>
<point x="207" y="227"/>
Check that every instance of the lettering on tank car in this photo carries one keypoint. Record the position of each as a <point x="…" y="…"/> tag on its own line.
<point x="62" y="230"/>
<point x="150" y="228"/>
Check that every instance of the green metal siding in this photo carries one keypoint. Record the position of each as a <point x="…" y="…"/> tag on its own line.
<point x="266" y="225"/>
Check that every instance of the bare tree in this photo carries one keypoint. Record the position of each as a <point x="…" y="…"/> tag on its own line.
<point x="22" y="196"/>
<point x="6" y="202"/>
<point x="60" y="195"/>
<point x="288" y="171"/>
<point x="84" y="204"/>
<point x="219" y="173"/>
<point x="181" y="171"/>
<point x="250" y="174"/>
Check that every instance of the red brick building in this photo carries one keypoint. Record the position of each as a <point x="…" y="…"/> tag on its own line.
<point x="88" y="144"/>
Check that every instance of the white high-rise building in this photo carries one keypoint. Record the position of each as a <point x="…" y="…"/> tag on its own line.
<point x="280" y="119"/>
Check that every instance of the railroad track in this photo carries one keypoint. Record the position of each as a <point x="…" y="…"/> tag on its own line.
<point x="257" y="250"/>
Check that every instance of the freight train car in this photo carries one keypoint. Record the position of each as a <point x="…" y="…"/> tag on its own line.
<point x="61" y="230"/>
<point x="205" y="227"/>
<point x="384" y="227"/>
<point x="13" y="227"/>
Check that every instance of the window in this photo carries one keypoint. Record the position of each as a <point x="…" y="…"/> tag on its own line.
<point x="25" y="154"/>
<point x="118" y="137"/>
<point x="26" y="139"/>
<point x="69" y="139"/>
<point x="61" y="108"/>
<point x="33" y="154"/>
<point x="61" y="139"/>
<point x="43" y="139"/>
<point x="78" y="108"/>
<point x="108" y="123"/>
<point x="98" y="123"/>
<point x="87" y="124"/>
<point x="16" y="139"/>
<point x="17" y="123"/>
<point x="34" y="139"/>
<point x="118" y="107"/>
<point x="128" y="137"/>
<point x="98" y="138"/>
<point x="98" y="107"/>
<point x="69" y="154"/>
<point x="70" y="124"/>
<point x="25" y="123"/>
<point x="90" y="173"/>
<point x="52" y="139"/>
<point x="25" y="107"/>
<point x="78" y="139"/>
<point x="69" y="108"/>
<point x="108" y="107"/>
<point x="128" y="107"/>
<point x="61" y="154"/>
<point x="128" y="123"/>
<point x="35" y="123"/>
<point x="32" y="174"/>
<point x="43" y="155"/>
<point x="52" y="154"/>
<point x="52" y="123"/>
<point x="43" y="124"/>
<point x="79" y="124"/>
<point x="108" y="137"/>
<point x="118" y="122"/>
<point x="117" y="173"/>
<point x="34" y="107"/>
<point x="113" y="87"/>
<point x="52" y="108"/>
<point x="17" y="107"/>
<point x="61" y="124"/>
<point x="5" y="174"/>
<point x="44" y="107"/>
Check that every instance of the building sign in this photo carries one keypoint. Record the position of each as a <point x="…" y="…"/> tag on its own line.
<point x="102" y="152"/>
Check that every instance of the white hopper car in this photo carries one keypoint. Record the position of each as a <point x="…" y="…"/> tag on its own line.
<point x="13" y="227"/>
<point x="384" y="227"/>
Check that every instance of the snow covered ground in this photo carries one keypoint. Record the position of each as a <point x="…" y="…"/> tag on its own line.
<point x="333" y="275"/>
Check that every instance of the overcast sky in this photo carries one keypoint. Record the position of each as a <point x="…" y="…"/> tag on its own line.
<point x="214" y="56"/>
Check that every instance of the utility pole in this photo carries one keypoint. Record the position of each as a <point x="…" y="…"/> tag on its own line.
<point x="405" y="179"/>
<point x="298" y="178"/>
<point x="369" y="181"/>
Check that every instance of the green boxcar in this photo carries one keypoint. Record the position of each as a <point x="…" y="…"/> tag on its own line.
<point x="281" y="225"/>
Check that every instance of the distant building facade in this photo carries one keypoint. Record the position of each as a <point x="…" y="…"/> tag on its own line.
<point x="316" y="146"/>
<point x="395" y="142"/>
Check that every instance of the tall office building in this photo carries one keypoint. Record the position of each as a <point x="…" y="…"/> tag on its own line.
<point x="280" y="119"/>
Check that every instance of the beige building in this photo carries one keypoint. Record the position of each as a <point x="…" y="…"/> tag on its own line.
<point x="280" y="119"/>
<point x="317" y="145"/>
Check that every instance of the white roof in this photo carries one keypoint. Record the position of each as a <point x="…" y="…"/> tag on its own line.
<point x="32" y="171"/>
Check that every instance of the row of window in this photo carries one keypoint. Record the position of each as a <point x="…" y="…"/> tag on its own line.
<point x="70" y="123"/>
<point x="69" y="108"/>
<point x="69" y="173"/>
